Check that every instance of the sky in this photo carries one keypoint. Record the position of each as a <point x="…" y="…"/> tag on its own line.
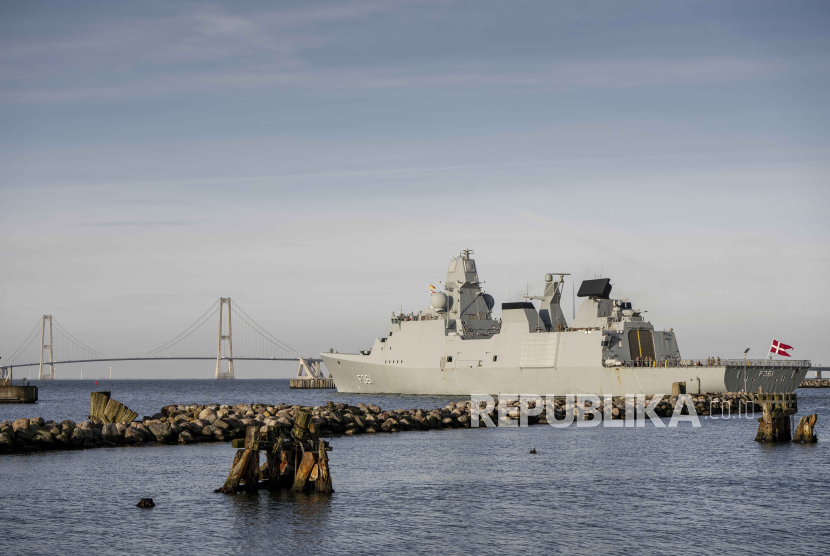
<point x="320" y="163"/>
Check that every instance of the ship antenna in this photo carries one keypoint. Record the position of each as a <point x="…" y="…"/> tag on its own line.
<point x="573" y="302"/>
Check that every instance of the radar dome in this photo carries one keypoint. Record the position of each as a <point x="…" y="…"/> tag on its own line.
<point x="439" y="301"/>
<point x="488" y="299"/>
<point x="548" y="277"/>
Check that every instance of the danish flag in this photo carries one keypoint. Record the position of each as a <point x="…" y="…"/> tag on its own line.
<point x="779" y="347"/>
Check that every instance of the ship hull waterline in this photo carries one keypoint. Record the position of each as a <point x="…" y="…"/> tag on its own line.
<point x="355" y="376"/>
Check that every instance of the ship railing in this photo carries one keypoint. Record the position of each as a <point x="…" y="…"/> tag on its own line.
<point x="716" y="362"/>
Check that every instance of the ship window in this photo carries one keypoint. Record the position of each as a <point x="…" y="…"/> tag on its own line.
<point x="452" y="265"/>
<point x="495" y="357"/>
<point x="470" y="266"/>
<point x="449" y="359"/>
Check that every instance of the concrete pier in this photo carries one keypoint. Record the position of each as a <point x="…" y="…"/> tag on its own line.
<point x="322" y="383"/>
<point x="18" y="394"/>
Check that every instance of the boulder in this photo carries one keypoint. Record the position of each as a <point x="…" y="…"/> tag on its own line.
<point x="110" y="433"/>
<point x="185" y="438"/>
<point x="43" y="438"/>
<point x="221" y="424"/>
<point x="62" y="438"/>
<point x="388" y="425"/>
<point x="161" y="431"/>
<point x="133" y="436"/>
<point x="78" y="435"/>
<point x="5" y="441"/>
<point x="20" y="424"/>
<point x="24" y="434"/>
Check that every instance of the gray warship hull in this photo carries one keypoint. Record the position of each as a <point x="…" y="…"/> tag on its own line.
<point x="357" y="376"/>
<point x="457" y="348"/>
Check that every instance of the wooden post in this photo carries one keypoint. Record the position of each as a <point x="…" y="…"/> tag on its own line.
<point x="774" y="425"/>
<point x="804" y="432"/>
<point x="241" y="463"/>
<point x="323" y="482"/>
<point x="251" y="476"/>
<point x="301" y="478"/>
<point x="252" y="438"/>
<point x="98" y="404"/>
<point x="301" y="425"/>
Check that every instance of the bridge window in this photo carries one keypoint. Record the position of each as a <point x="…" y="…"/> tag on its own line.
<point x="495" y="357"/>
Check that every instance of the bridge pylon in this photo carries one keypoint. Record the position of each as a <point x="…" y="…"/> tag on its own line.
<point x="44" y="346"/>
<point x="228" y="338"/>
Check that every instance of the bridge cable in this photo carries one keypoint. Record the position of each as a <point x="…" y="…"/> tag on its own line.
<point x="252" y="321"/>
<point x="79" y="344"/>
<point x="186" y="329"/>
<point x="27" y="342"/>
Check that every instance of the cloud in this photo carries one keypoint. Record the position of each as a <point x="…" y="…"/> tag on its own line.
<point x="143" y="223"/>
<point x="567" y="77"/>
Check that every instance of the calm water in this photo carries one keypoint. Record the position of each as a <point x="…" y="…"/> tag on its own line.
<point x="711" y="490"/>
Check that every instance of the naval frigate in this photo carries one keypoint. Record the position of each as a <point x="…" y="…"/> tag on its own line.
<point x="457" y="347"/>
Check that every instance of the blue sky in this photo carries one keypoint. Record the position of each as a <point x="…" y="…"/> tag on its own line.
<point x="321" y="162"/>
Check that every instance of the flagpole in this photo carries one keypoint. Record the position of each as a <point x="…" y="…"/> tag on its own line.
<point x="770" y="349"/>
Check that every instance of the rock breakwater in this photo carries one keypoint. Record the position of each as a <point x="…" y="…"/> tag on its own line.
<point x="187" y="424"/>
<point x="815" y="383"/>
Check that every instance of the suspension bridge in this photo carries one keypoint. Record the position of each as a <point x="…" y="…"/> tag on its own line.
<point x="225" y="332"/>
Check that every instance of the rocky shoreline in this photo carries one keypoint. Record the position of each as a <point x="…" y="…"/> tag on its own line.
<point x="815" y="383"/>
<point x="187" y="424"/>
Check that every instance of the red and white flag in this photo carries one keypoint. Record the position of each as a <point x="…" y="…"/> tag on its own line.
<point x="779" y="347"/>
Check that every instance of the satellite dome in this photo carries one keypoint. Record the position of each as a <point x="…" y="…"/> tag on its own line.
<point x="439" y="301"/>
<point x="548" y="277"/>
<point x="488" y="299"/>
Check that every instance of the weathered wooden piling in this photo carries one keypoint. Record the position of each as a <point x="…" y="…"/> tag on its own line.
<point x="804" y="432"/>
<point x="105" y="409"/>
<point x="297" y="461"/>
<point x="775" y="424"/>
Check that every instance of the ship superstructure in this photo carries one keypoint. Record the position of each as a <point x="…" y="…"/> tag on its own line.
<point x="457" y="347"/>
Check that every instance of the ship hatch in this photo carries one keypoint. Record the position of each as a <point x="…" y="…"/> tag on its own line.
<point x="641" y="343"/>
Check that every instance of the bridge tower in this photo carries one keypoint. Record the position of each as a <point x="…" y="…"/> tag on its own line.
<point x="227" y="337"/>
<point x="43" y="346"/>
